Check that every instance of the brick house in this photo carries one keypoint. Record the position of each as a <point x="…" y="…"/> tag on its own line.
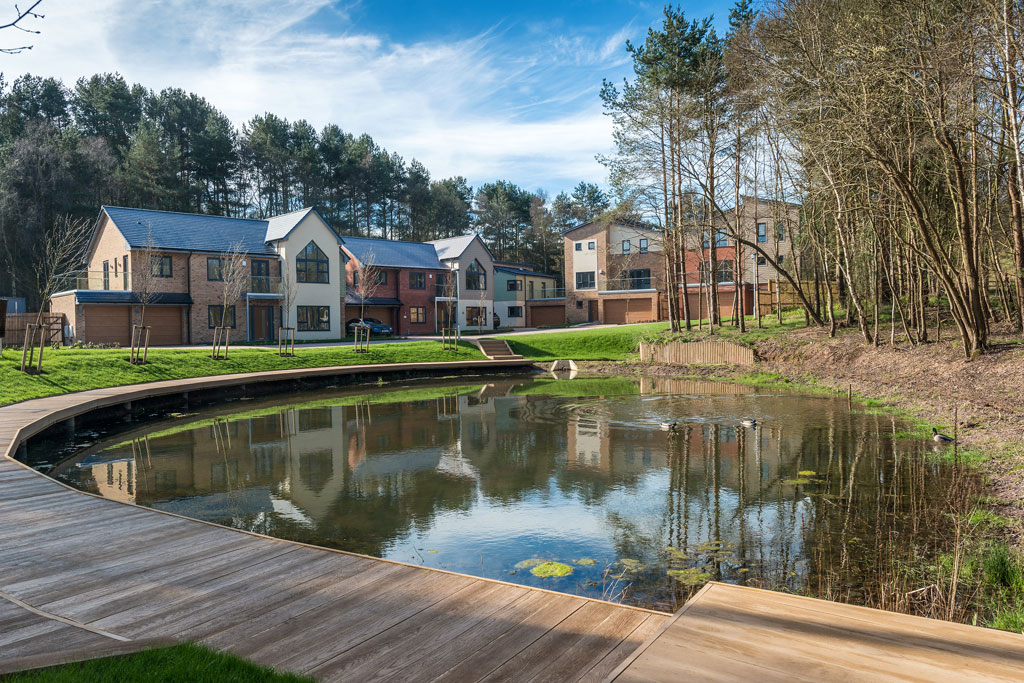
<point x="614" y="273"/>
<point x="409" y="293"/>
<point x="188" y="252"/>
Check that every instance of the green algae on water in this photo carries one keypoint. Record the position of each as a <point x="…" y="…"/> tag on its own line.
<point x="551" y="569"/>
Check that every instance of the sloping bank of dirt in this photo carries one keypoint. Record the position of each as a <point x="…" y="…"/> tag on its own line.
<point x="928" y="381"/>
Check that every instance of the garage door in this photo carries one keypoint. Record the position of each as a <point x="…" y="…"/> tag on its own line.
<point x="108" y="324"/>
<point x="544" y="316"/>
<point x="166" y="324"/>
<point x="615" y="312"/>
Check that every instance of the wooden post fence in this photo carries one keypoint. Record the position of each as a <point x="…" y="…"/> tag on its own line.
<point x="696" y="353"/>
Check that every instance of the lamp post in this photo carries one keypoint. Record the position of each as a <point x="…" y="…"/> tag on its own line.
<point x="757" y="290"/>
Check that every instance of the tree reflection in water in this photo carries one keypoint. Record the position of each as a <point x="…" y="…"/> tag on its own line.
<point x="478" y="478"/>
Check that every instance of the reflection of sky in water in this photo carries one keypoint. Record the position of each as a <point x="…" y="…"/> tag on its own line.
<point x="477" y="479"/>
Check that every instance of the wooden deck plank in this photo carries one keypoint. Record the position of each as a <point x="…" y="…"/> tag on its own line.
<point x="743" y="631"/>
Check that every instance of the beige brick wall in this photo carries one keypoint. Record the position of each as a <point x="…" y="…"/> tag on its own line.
<point x="110" y="246"/>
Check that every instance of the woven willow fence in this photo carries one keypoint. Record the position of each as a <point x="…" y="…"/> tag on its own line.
<point x="696" y="353"/>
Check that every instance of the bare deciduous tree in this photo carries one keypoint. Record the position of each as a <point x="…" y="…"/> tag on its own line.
<point x="144" y="285"/>
<point x="235" y="276"/>
<point x="286" y="347"/>
<point x="63" y="250"/>
<point x="20" y="16"/>
<point x="368" y="280"/>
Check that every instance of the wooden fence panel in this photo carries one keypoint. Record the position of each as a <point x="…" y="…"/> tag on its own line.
<point x="782" y="291"/>
<point x="696" y="353"/>
<point x="17" y="322"/>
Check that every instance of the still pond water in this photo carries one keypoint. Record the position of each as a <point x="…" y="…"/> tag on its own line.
<point x="496" y="477"/>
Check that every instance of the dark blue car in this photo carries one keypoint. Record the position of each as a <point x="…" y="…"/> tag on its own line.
<point x="376" y="327"/>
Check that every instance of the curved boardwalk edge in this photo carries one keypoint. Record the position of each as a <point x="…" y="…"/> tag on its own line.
<point x="130" y="572"/>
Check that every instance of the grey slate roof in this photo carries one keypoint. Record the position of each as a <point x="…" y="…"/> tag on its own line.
<point x="523" y="271"/>
<point x="391" y="254"/>
<point x="278" y="227"/>
<point x="101" y="297"/>
<point x="452" y="247"/>
<point x="352" y="299"/>
<point x="189" y="231"/>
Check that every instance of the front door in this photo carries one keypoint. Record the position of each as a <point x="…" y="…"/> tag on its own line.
<point x="261" y="277"/>
<point x="261" y="322"/>
<point x="591" y="305"/>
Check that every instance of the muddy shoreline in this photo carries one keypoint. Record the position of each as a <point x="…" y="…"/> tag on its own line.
<point x="930" y="382"/>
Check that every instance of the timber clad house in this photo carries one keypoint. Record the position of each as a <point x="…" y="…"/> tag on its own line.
<point x="615" y="270"/>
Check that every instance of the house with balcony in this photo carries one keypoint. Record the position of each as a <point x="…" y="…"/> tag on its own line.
<point x="614" y="273"/>
<point x="472" y="265"/>
<point x="524" y="297"/>
<point x="408" y="287"/>
<point x="293" y="257"/>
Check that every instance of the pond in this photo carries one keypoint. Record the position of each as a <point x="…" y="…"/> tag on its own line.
<point x="570" y="485"/>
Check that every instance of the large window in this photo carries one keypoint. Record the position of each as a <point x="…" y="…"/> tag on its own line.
<point x="476" y="277"/>
<point x="312" y="265"/>
<point x="314" y="318"/>
<point x="214" y="268"/>
<point x="476" y="316"/>
<point x="213" y="316"/>
<point x="586" y="280"/>
<point x="515" y="311"/>
<point x="762" y="232"/>
<point x="640" y="278"/>
<point x="161" y="266"/>
<point x="723" y="273"/>
<point x="514" y="285"/>
<point x="417" y="314"/>
<point x="417" y="280"/>
<point x="720" y="239"/>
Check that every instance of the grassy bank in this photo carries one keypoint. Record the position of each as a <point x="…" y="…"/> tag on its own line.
<point x="67" y="370"/>
<point x="181" y="663"/>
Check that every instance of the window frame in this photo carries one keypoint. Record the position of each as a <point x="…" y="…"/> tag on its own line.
<point x="220" y="308"/>
<point x="309" y="259"/>
<point x="380" y="277"/>
<point x="626" y="247"/>
<point x="479" y="275"/>
<point x="512" y="312"/>
<point x="321" y="321"/>
<point x="157" y="263"/>
<point x="780" y="232"/>
<point x="640" y="276"/>
<point x="643" y="245"/>
<point x="106" y="275"/>
<point x="220" y="268"/>
<point x="592" y="280"/>
<point x="481" y="313"/>
<point x="579" y="246"/>
<point x="417" y="279"/>
<point x="762" y="232"/>
<point x="591" y="246"/>
<point x="419" y="312"/>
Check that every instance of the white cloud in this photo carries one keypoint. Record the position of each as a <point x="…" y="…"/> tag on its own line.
<point x="484" y="107"/>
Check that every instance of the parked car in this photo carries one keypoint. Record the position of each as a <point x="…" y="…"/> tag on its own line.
<point x="375" y="326"/>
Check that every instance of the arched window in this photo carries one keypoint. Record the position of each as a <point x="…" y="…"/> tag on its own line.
<point x="311" y="264"/>
<point x="476" y="276"/>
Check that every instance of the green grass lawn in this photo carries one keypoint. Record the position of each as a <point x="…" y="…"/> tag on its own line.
<point x="185" y="663"/>
<point x="67" y="370"/>
<point x="622" y="342"/>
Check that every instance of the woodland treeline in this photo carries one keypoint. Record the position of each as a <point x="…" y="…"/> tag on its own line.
<point x="65" y="151"/>
<point x="895" y="126"/>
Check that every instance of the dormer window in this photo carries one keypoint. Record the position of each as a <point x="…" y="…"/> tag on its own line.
<point x="312" y="265"/>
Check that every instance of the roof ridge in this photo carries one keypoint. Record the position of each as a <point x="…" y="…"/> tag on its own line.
<point x="183" y="213"/>
<point x="382" y="239"/>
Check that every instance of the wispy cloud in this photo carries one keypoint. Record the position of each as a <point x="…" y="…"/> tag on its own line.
<point x="520" y="106"/>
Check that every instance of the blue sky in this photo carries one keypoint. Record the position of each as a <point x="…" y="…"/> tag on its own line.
<point x="498" y="90"/>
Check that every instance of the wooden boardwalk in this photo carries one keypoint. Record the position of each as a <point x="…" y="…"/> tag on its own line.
<point x="79" y="574"/>
<point x="727" y="633"/>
